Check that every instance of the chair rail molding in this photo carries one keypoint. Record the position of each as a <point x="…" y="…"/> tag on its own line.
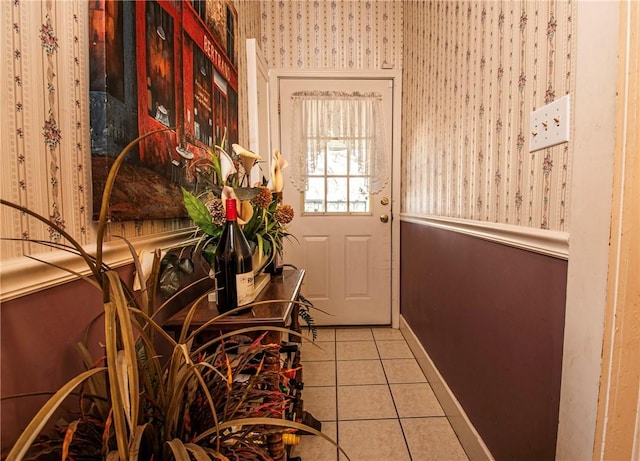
<point x="29" y="274"/>
<point x="547" y="242"/>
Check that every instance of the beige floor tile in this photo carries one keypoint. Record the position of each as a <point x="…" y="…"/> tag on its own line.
<point x="356" y="350"/>
<point x="372" y="440"/>
<point x="403" y="371"/>
<point x="415" y="400"/>
<point x="318" y="351"/>
<point x="362" y="361"/>
<point x="353" y="334"/>
<point x="315" y="448"/>
<point x="432" y="439"/>
<point x="323" y="333"/>
<point x="394" y="349"/>
<point x="386" y="333"/>
<point x="319" y="373"/>
<point x="320" y="402"/>
<point x="365" y="402"/>
<point x="352" y="372"/>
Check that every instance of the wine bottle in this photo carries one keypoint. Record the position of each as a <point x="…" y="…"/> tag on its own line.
<point x="234" y="270"/>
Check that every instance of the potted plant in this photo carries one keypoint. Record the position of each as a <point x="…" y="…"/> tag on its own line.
<point x="261" y="214"/>
<point x="201" y="402"/>
<point x="263" y="217"/>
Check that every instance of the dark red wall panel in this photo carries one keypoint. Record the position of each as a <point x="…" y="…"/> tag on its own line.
<point x="491" y="317"/>
<point x="38" y="337"/>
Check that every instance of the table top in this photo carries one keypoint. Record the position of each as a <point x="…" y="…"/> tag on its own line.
<point x="280" y="292"/>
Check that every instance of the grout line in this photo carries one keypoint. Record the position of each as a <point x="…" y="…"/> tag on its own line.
<point x="406" y="443"/>
<point x="388" y="384"/>
<point x="391" y="418"/>
<point x="335" y="380"/>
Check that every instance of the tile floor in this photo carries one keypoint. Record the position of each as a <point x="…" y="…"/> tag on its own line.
<point x="372" y="398"/>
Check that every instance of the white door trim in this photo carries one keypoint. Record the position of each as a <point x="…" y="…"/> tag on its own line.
<point x="396" y="76"/>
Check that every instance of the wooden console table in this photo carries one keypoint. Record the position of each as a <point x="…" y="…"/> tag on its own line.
<point x="285" y="287"/>
<point x="278" y="314"/>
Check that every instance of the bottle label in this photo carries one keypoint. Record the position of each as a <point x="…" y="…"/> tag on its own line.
<point x="244" y="287"/>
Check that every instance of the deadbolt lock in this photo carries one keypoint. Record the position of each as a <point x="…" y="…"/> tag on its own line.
<point x="384" y="201"/>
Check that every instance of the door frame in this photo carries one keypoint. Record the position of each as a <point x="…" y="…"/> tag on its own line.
<point x="275" y="75"/>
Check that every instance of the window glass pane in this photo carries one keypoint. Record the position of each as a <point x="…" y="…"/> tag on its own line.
<point x="336" y="158"/>
<point x="336" y="194"/>
<point x="314" y="196"/>
<point x="358" y="195"/>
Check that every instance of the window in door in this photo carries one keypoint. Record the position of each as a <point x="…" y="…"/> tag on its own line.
<point x="336" y="182"/>
<point x="340" y="157"/>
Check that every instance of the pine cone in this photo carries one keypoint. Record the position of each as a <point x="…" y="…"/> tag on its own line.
<point x="284" y="214"/>
<point x="217" y="211"/>
<point x="264" y="197"/>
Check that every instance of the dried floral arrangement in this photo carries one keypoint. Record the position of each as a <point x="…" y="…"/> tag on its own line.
<point x="205" y="401"/>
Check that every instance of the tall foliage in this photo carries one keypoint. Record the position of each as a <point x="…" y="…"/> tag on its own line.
<point x="210" y="401"/>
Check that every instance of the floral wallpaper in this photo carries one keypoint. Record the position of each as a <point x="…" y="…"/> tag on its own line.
<point x="473" y="72"/>
<point x="44" y="122"/>
<point x="336" y="35"/>
<point x="45" y="125"/>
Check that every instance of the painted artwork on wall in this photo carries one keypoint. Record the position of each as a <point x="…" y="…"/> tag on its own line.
<point x="165" y="65"/>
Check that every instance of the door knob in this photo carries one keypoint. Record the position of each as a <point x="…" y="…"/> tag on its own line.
<point x="384" y="217"/>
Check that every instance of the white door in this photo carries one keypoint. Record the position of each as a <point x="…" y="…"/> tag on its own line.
<point x="344" y="248"/>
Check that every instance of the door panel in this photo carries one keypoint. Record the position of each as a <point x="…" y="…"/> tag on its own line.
<point x="347" y="256"/>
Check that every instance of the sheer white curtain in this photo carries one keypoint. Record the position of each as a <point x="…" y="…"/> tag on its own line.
<point x="354" y="119"/>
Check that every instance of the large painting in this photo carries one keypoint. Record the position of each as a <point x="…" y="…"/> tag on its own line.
<point x="159" y="65"/>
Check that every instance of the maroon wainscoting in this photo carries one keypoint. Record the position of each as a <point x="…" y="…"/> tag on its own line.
<point x="492" y="319"/>
<point x="38" y="337"/>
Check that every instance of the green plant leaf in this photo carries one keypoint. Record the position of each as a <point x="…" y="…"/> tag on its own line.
<point x="215" y="161"/>
<point x="199" y="213"/>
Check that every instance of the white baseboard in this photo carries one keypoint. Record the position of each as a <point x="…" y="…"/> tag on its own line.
<point x="467" y="434"/>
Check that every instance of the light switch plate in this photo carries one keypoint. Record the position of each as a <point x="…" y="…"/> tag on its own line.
<point x="549" y="125"/>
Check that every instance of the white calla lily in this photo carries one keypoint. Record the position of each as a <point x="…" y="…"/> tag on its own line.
<point x="245" y="212"/>
<point x="278" y="163"/>
<point x="243" y="207"/>
<point x="247" y="158"/>
<point x="226" y="166"/>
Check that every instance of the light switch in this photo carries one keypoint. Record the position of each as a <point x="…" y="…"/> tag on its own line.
<point x="549" y="125"/>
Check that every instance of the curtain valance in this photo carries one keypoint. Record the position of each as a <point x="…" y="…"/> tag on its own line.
<point x="354" y="119"/>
